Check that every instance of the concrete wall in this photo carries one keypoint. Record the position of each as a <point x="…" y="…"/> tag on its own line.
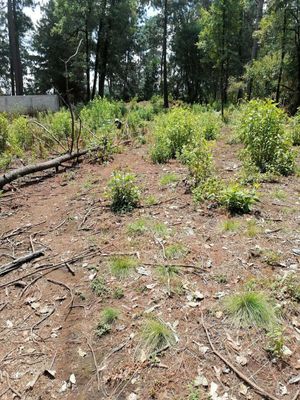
<point x="29" y="104"/>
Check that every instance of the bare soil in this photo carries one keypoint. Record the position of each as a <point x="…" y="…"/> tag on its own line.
<point x="48" y="319"/>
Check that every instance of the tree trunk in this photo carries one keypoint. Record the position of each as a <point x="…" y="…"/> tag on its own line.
<point x="103" y="65"/>
<point x="87" y="62"/>
<point x="14" y="47"/>
<point x="98" y="46"/>
<point x="255" y="46"/>
<point x="165" y="74"/>
<point x="283" y="51"/>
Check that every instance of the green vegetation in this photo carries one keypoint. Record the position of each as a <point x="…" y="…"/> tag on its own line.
<point x="250" y="309"/>
<point x="252" y="228"/>
<point x="123" y="192"/>
<point x="156" y="336"/>
<point x="108" y="316"/>
<point x="267" y="142"/>
<point x="169" y="179"/>
<point x="237" y="199"/>
<point x="99" y="287"/>
<point x="121" y="267"/>
<point x="230" y="225"/>
<point x="276" y="342"/>
<point x="138" y="227"/>
<point x="176" y="250"/>
<point x="3" y="132"/>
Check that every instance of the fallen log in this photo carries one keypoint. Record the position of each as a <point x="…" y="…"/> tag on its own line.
<point x="30" y="169"/>
<point x="5" y="269"/>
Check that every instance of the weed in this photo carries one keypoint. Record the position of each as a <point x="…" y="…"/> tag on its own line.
<point x="121" y="267"/>
<point x="169" y="179"/>
<point x="237" y="199"/>
<point x="108" y="317"/>
<point x="159" y="229"/>
<point x="194" y="393"/>
<point x="279" y="194"/>
<point x="271" y="257"/>
<point x="252" y="228"/>
<point x="169" y="271"/>
<point x="230" y="225"/>
<point x="99" y="287"/>
<point x="123" y="192"/>
<point x="3" y="132"/>
<point x="250" y="309"/>
<point x="156" y="336"/>
<point x="138" y="227"/>
<point x="150" y="200"/>
<point x="118" y="293"/>
<point x="210" y="190"/>
<point x="175" y="251"/>
<point x="276" y="342"/>
<point x="267" y="143"/>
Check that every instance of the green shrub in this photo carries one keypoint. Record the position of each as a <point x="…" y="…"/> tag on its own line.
<point x="211" y="189"/>
<point x="100" y="113"/>
<point x="123" y="192"/>
<point x="19" y="134"/>
<point x="3" y="132"/>
<point x="104" y="140"/>
<point x="267" y="144"/>
<point x="108" y="316"/>
<point x="250" y="309"/>
<point x="198" y="158"/>
<point x="237" y="199"/>
<point x="157" y="103"/>
<point x="210" y="125"/>
<point x="295" y="129"/>
<point x="59" y="123"/>
<point x="121" y="267"/>
<point x="172" y="131"/>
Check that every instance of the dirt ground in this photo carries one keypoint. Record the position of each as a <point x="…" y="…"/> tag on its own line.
<point x="49" y="313"/>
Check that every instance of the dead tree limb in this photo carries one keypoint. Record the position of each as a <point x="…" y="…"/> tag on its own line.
<point x="242" y="376"/>
<point x="5" y="269"/>
<point x="30" y="169"/>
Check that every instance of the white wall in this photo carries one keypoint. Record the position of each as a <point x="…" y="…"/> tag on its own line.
<point x="29" y="104"/>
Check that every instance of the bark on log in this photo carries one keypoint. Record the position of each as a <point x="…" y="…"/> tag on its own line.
<point x="5" y="269"/>
<point x="30" y="169"/>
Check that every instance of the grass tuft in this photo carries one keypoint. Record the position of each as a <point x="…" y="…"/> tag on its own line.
<point x="108" y="316"/>
<point x="250" y="309"/>
<point x="156" y="336"/>
<point x="121" y="267"/>
<point x="169" y="179"/>
<point x="230" y="225"/>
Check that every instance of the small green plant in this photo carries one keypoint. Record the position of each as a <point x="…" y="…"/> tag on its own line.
<point x="250" y="309"/>
<point x="137" y="228"/>
<point x="168" y="274"/>
<point x="252" y="228"/>
<point x="108" y="316"/>
<point x="230" y="225"/>
<point x="159" y="229"/>
<point x="210" y="124"/>
<point x="295" y="129"/>
<point x="238" y="200"/>
<point x="123" y="192"/>
<point x="3" y="132"/>
<point x="209" y="190"/>
<point x="271" y="257"/>
<point x="121" y="267"/>
<point x="19" y="135"/>
<point x="291" y="287"/>
<point x="174" y="251"/>
<point x="150" y="200"/>
<point x="276" y="342"/>
<point x="194" y="393"/>
<point x="156" y="336"/>
<point x="169" y="179"/>
<point x="267" y="142"/>
<point x="171" y="132"/>
<point x="118" y="293"/>
<point x="99" y="287"/>
<point x="280" y="194"/>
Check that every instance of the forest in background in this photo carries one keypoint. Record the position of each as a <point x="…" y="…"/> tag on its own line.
<point x="204" y="51"/>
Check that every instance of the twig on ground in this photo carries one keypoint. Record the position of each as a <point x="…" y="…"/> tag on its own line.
<point x="95" y="362"/>
<point x="240" y="374"/>
<point x="5" y="269"/>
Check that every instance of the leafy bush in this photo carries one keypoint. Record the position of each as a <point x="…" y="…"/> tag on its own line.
<point x="3" y="132"/>
<point x="19" y="134"/>
<point x="267" y="144"/>
<point x="108" y="316"/>
<point x="100" y="113"/>
<point x="105" y="141"/>
<point x="237" y="199"/>
<point x="172" y="131"/>
<point x="157" y="103"/>
<point x="210" y="189"/>
<point x="59" y="123"/>
<point x="250" y="309"/>
<point x="197" y="156"/>
<point x="123" y="192"/>
<point x="295" y="129"/>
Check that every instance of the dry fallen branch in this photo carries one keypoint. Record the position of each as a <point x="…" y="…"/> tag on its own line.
<point x="240" y="374"/>
<point x="5" y="269"/>
<point x="30" y="169"/>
